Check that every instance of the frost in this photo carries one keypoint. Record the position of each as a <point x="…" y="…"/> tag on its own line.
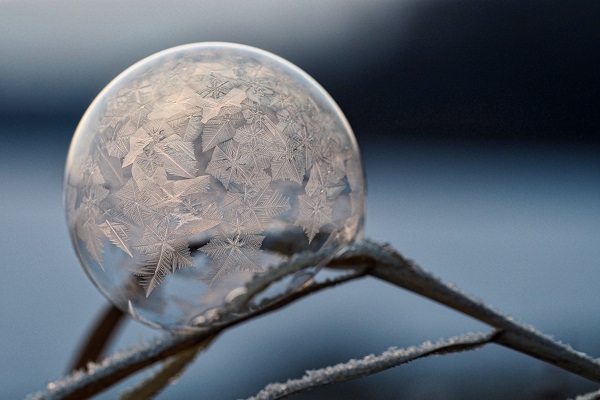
<point x="164" y="147"/>
<point x="589" y="396"/>
<point x="259" y="116"/>
<point x="240" y="252"/>
<point x="90" y="233"/>
<point x="170" y="193"/>
<point x="135" y="202"/>
<point x="217" y="150"/>
<point x="195" y="218"/>
<point x="306" y="144"/>
<point x="287" y="164"/>
<point x="177" y="157"/>
<point x="256" y="144"/>
<point x="176" y="105"/>
<point x="118" y="145"/>
<point x="228" y="166"/>
<point x="163" y="252"/>
<point x="188" y="126"/>
<point x="314" y="214"/>
<point x="258" y="209"/>
<point x="370" y="364"/>
<point x="213" y="107"/>
<point x="217" y="87"/>
<point x="326" y="179"/>
<point x="86" y="226"/>
<point x="222" y="127"/>
<point x="118" y="234"/>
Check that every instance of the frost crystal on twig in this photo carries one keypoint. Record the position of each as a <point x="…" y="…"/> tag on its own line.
<point x="589" y="396"/>
<point x="371" y="364"/>
<point x="375" y="260"/>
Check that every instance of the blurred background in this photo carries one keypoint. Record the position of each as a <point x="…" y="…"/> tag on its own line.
<point x="479" y="125"/>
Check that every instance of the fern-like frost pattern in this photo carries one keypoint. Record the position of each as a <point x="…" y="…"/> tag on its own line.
<point x="210" y="155"/>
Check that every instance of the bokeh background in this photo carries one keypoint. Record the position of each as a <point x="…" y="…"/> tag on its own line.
<point x="479" y="124"/>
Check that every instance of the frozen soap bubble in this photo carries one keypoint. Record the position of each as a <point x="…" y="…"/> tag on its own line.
<point x="200" y="166"/>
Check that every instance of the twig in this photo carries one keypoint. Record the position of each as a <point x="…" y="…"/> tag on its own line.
<point x="85" y="383"/>
<point x="369" y="365"/>
<point x="99" y="338"/>
<point x="168" y="373"/>
<point x="257" y="285"/>
<point x="272" y="304"/>
<point x="379" y="261"/>
<point x="589" y="396"/>
<point x="386" y="264"/>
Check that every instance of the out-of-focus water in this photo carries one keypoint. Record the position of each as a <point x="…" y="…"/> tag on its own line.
<point x="516" y="224"/>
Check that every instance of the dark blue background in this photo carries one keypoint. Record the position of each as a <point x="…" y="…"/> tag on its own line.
<point x="478" y="122"/>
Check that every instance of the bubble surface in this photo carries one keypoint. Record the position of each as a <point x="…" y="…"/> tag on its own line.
<point x="200" y="166"/>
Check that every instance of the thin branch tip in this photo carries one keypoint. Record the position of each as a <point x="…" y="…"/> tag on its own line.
<point x="371" y="364"/>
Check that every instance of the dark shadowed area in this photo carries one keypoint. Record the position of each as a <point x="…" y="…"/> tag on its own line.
<point x="478" y="122"/>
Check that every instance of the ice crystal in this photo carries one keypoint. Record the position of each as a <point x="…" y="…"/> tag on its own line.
<point x="239" y="252"/>
<point x="221" y="128"/>
<point x="227" y="164"/>
<point x="162" y="251"/>
<point x="314" y="214"/>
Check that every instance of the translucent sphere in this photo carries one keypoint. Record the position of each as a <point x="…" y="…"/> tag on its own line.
<point x="200" y="166"/>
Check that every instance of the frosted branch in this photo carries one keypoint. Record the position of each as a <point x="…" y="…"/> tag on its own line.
<point x="260" y="283"/>
<point x="363" y="257"/>
<point x="98" y="377"/>
<point x="385" y="263"/>
<point x="589" y="396"/>
<point x="95" y="378"/>
<point x="99" y="337"/>
<point x="372" y="364"/>
<point x="169" y="372"/>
